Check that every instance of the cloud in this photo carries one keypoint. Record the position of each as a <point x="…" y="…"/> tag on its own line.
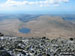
<point x="11" y="3"/>
<point x="65" y="0"/>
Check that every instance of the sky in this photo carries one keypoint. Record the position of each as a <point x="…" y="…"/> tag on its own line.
<point x="38" y="6"/>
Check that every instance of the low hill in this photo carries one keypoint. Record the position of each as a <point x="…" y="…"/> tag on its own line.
<point x="51" y="27"/>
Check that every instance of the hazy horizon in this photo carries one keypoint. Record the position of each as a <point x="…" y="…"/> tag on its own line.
<point x="37" y="7"/>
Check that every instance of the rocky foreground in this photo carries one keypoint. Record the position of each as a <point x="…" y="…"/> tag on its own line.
<point x="21" y="46"/>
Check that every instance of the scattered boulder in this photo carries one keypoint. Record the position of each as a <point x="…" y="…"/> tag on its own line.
<point x="1" y="34"/>
<point x="16" y="46"/>
<point x="71" y="39"/>
<point x="4" y="53"/>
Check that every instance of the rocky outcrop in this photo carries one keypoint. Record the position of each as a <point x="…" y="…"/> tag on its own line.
<point x="21" y="46"/>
